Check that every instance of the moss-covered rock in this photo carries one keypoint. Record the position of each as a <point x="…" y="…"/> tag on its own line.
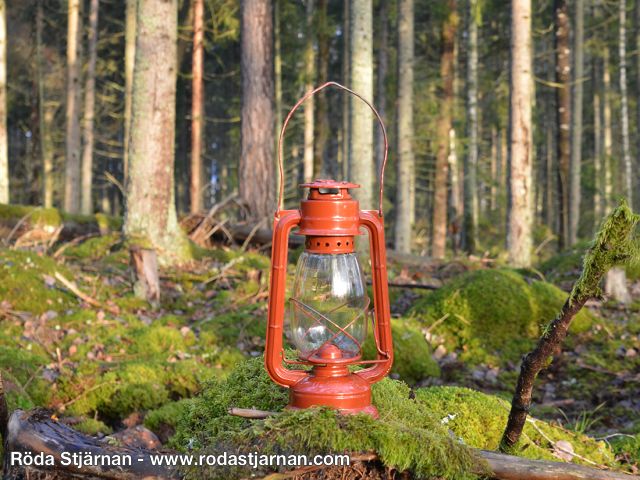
<point x="479" y="419"/>
<point x="428" y="433"/>
<point x="492" y="316"/>
<point x="26" y="282"/>
<point x="413" y="361"/>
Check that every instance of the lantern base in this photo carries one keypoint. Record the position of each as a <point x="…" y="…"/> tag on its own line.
<point x="347" y="392"/>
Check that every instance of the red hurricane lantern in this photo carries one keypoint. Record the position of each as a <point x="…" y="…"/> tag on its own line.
<point x="329" y="304"/>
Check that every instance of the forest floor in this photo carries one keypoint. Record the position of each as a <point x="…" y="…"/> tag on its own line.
<point x="75" y="339"/>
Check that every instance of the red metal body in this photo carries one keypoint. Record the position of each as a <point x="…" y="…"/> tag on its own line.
<point x="331" y="220"/>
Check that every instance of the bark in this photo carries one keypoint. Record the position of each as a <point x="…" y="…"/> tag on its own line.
<point x="277" y="67"/>
<point x="72" y="187"/>
<point x="4" y="139"/>
<point x="361" y="160"/>
<point x="89" y="110"/>
<point x="598" y="155"/>
<point x="493" y="189"/>
<point x="255" y="171"/>
<point x="36" y="431"/>
<point x="150" y="218"/>
<point x="322" y="167"/>
<point x="309" y="74"/>
<point x="471" y="157"/>
<point x="563" y="115"/>
<point x="519" y="222"/>
<point x="576" y="120"/>
<point x="606" y="127"/>
<point x="197" y="106"/>
<point x="405" y="199"/>
<point x="147" y="281"/>
<point x="624" y="102"/>
<point x="443" y="127"/>
<point x="381" y="76"/>
<point x="129" y="60"/>
<point x="346" y="77"/>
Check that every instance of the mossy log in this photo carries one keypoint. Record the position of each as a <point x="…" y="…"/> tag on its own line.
<point x="36" y="432"/>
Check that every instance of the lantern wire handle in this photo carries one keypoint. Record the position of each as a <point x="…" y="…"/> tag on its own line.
<point x="310" y="93"/>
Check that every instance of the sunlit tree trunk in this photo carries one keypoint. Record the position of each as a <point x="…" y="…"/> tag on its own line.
<point x="471" y="157"/>
<point x="563" y="114"/>
<point x="255" y="173"/>
<point x="197" y="106"/>
<point x="624" y="101"/>
<point x="129" y="59"/>
<point x="89" y="109"/>
<point x="4" y="139"/>
<point x="45" y="114"/>
<point x="606" y="130"/>
<point x="443" y="127"/>
<point x="598" y="155"/>
<point x="72" y="172"/>
<point x="277" y="68"/>
<point x="520" y="210"/>
<point x="361" y="169"/>
<point x="150" y="219"/>
<point x="322" y="166"/>
<point x="576" y="123"/>
<point x="406" y="163"/>
<point x="309" y="77"/>
<point x="493" y="189"/>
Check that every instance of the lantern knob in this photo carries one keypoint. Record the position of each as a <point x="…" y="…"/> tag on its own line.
<point x="330" y="352"/>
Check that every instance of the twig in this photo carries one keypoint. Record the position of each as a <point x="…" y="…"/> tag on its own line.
<point x="223" y="269"/>
<point x="72" y="243"/>
<point x="251" y="234"/>
<point x="251" y="413"/>
<point x="436" y="323"/>
<point x="17" y="226"/>
<point x="83" y="296"/>
<point x="196" y="235"/>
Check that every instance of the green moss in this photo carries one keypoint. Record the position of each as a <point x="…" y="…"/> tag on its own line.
<point x="479" y="419"/>
<point x="23" y="282"/>
<point x="20" y="368"/>
<point x="413" y="361"/>
<point x="93" y="248"/>
<point x="627" y="447"/>
<point x="35" y="215"/>
<point x="406" y="436"/>
<point x="166" y="417"/>
<point x="492" y="315"/>
<point x="92" y="426"/>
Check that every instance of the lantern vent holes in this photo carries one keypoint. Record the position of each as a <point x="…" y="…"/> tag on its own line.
<point x="332" y="245"/>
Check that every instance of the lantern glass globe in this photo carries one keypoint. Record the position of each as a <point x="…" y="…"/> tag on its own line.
<point x="329" y="304"/>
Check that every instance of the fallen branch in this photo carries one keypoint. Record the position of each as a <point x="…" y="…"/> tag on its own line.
<point x="83" y="296"/>
<point x="37" y="432"/>
<point x="251" y="413"/>
<point x="612" y="246"/>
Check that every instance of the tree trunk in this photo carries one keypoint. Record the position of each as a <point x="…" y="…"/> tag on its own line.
<point x="624" y="102"/>
<point x="322" y="167"/>
<point x="150" y="218"/>
<point x="443" y="127"/>
<point x="89" y="109"/>
<point x="346" y="78"/>
<point x="255" y="173"/>
<point x="197" y="106"/>
<point x="606" y="127"/>
<point x="406" y="163"/>
<point x="471" y="158"/>
<point x="4" y="139"/>
<point x="277" y="68"/>
<point x="72" y="174"/>
<point x="598" y="155"/>
<point x="45" y="114"/>
<point x="309" y="77"/>
<point x="129" y="60"/>
<point x="381" y="76"/>
<point x="520" y="133"/>
<point x="361" y="159"/>
<point x="576" y="121"/>
<point x="563" y="115"/>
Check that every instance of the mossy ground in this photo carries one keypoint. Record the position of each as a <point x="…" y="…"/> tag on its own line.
<point x="492" y="316"/>
<point x="100" y="365"/>
<point x="426" y="431"/>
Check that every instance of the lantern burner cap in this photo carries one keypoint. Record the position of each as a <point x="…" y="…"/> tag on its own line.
<point x="328" y="183"/>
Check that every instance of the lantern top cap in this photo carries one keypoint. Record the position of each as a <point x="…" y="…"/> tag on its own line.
<point x="327" y="183"/>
